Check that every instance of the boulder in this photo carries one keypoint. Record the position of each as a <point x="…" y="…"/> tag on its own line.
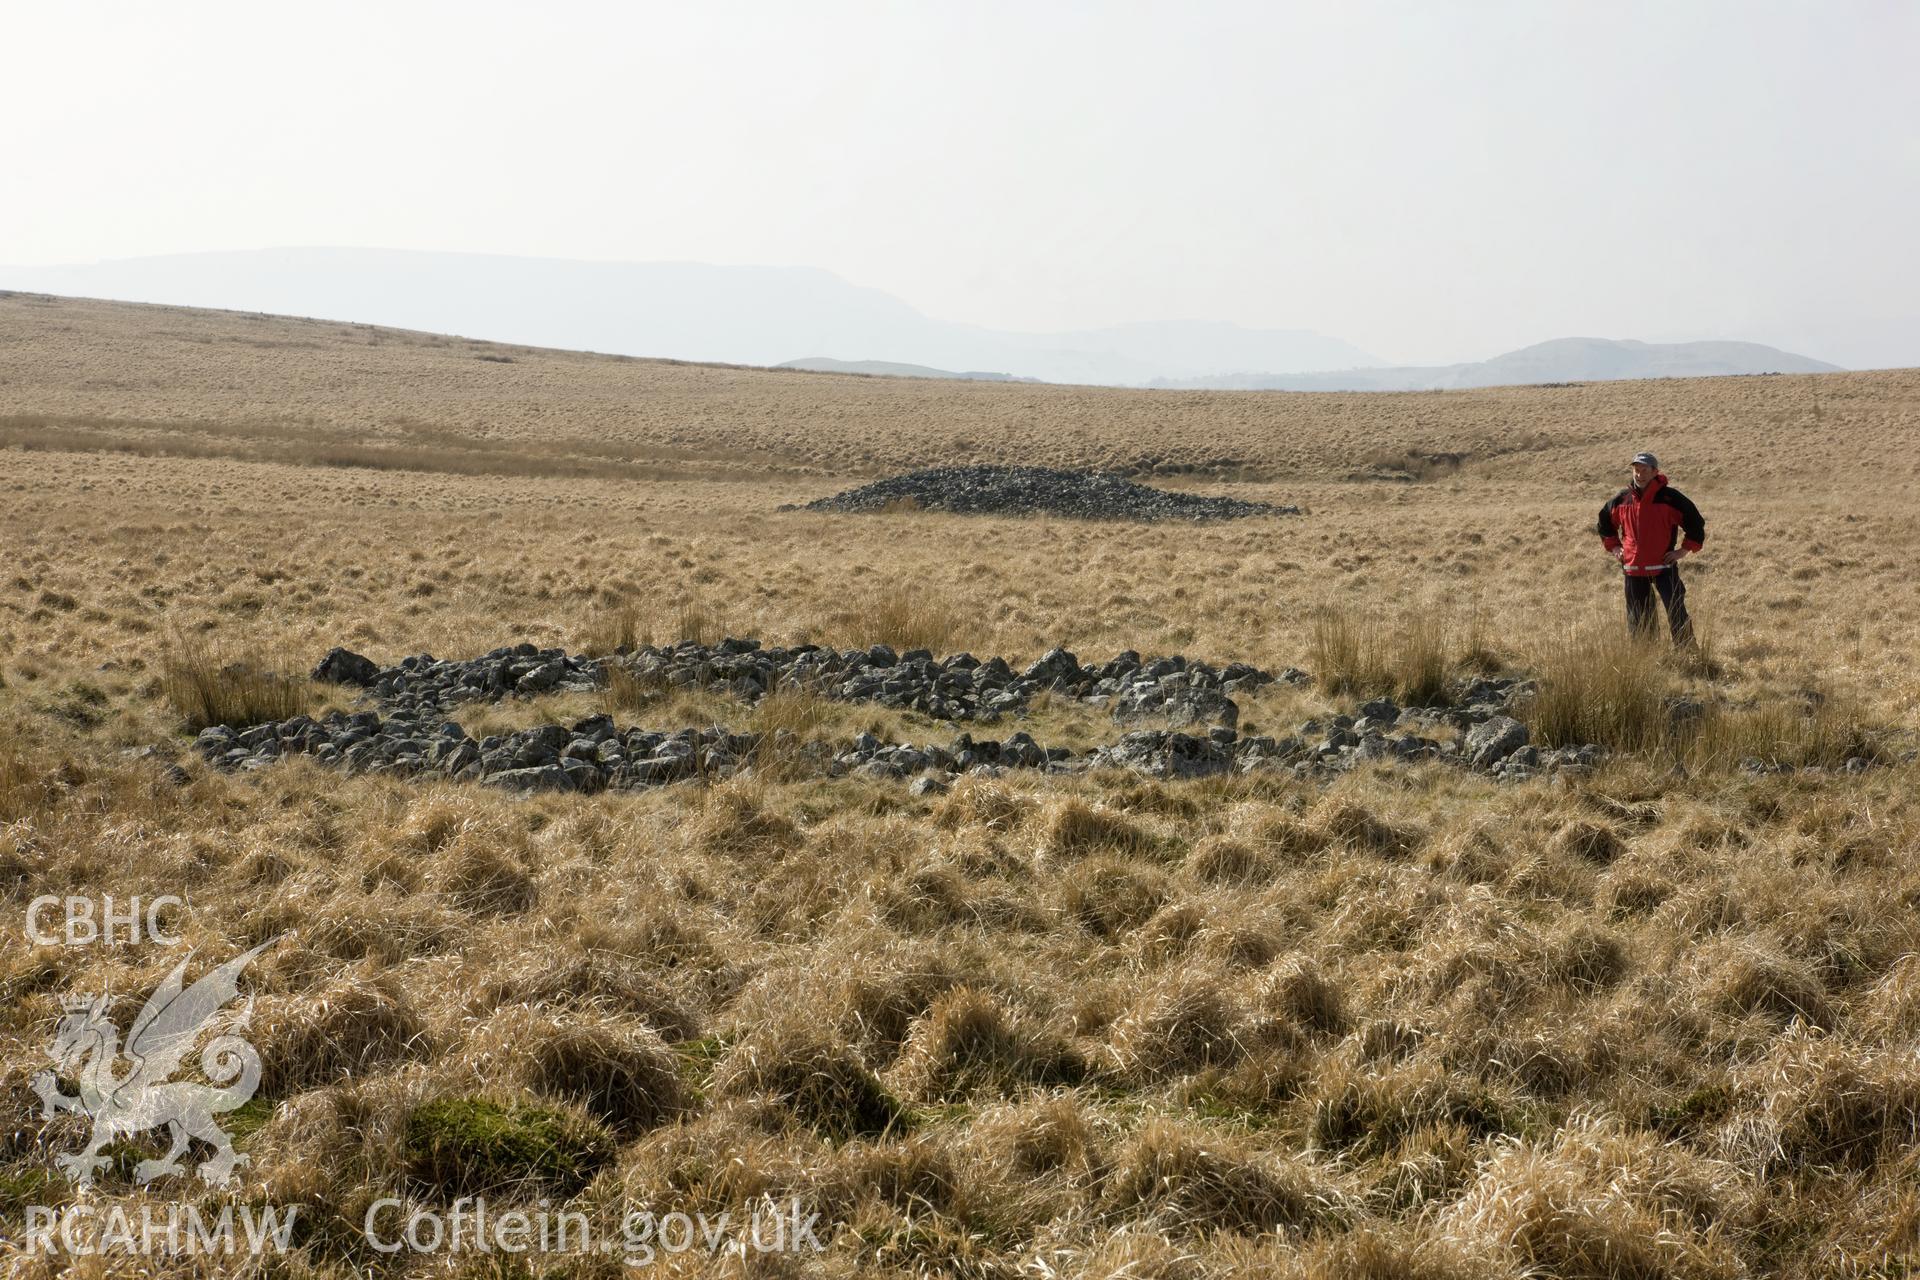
<point x="1493" y="740"/>
<point x="343" y="666"/>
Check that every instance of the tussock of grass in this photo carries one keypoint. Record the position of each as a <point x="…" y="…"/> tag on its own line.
<point x="483" y="871"/>
<point x="733" y="822"/>
<point x="907" y="615"/>
<point x="207" y="684"/>
<point x="620" y="1071"/>
<point x="1598" y="1204"/>
<point x="1369" y="1114"/>
<point x="1890" y="1011"/>
<point x="1591" y="841"/>
<point x="1072" y="828"/>
<point x="1038" y="1137"/>
<point x="1826" y="733"/>
<point x="616" y="627"/>
<point x="1280" y="834"/>
<point x="1180" y="1024"/>
<point x="628" y="695"/>
<point x="1742" y="977"/>
<point x="599" y="981"/>
<point x="1385" y="1254"/>
<point x="25" y="786"/>
<point x="914" y="1174"/>
<point x="1181" y="1180"/>
<point x="1598" y="685"/>
<point x="698" y="621"/>
<point x="818" y="1080"/>
<point x="477" y="1146"/>
<point x="1821" y="1103"/>
<point x="1297" y="991"/>
<point x="1354" y="824"/>
<point x="725" y="1159"/>
<point x="926" y="897"/>
<point x="1226" y="859"/>
<point x="970" y="1042"/>
<point x="1410" y="654"/>
<point x="342" y="1030"/>
<point x="792" y="724"/>
<point x="1108" y="896"/>
<point x="980" y="801"/>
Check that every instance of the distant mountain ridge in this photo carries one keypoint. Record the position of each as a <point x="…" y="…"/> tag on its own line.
<point x="1557" y="360"/>
<point x="763" y="315"/>
<point x="682" y="310"/>
<point x="892" y="369"/>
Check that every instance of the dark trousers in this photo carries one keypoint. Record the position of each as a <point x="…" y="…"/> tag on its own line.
<point x="1673" y="594"/>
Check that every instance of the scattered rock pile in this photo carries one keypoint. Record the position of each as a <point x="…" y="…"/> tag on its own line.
<point x="424" y="682"/>
<point x="958" y="687"/>
<point x="1028" y="491"/>
<point x="961" y="687"/>
<point x="596" y="754"/>
<point x="592" y="755"/>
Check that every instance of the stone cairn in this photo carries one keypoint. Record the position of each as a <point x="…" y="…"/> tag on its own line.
<point x="1034" y="491"/>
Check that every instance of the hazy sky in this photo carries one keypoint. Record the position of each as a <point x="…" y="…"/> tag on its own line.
<point x="1431" y="181"/>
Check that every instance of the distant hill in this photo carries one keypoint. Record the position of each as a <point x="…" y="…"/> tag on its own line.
<point x="891" y="369"/>
<point x="1560" y="360"/>
<point x="684" y="310"/>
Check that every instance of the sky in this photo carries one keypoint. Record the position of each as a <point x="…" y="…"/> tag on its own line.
<point x="1433" y="180"/>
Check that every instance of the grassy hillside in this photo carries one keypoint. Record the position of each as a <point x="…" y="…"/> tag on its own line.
<point x="1659" y="1020"/>
<point x="234" y="383"/>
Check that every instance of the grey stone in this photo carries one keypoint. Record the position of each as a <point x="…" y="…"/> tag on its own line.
<point x="1373" y="746"/>
<point x="343" y="666"/>
<point x="659" y="769"/>
<point x="541" y="678"/>
<point x="1494" y="740"/>
<point x="542" y="778"/>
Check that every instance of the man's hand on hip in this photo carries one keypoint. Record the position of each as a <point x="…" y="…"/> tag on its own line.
<point x="1673" y="557"/>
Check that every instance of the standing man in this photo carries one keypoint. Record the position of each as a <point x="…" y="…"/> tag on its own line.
<point x="1638" y="527"/>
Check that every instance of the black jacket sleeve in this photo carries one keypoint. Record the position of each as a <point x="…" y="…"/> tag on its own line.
<point x="1693" y="526"/>
<point x="1605" y="528"/>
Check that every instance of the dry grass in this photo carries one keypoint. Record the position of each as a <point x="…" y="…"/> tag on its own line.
<point x="906" y="615"/>
<point x="1410" y="654"/>
<point x="617" y="628"/>
<point x="1655" y="1021"/>
<point x="1598" y="685"/>
<point x="207" y="684"/>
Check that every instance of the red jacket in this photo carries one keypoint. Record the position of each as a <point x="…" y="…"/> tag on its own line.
<point x="1639" y="525"/>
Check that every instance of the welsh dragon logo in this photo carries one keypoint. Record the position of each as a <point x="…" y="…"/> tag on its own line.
<point x="86" y="1047"/>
